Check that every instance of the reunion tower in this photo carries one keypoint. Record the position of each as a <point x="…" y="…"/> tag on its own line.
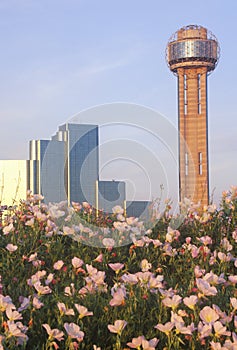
<point x="192" y="53"/>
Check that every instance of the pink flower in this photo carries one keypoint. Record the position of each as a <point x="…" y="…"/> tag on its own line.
<point x="212" y="278"/>
<point x="58" y="265"/>
<point x="64" y="311"/>
<point x="226" y="244"/>
<point x="120" y="217"/>
<point x="204" y="330"/>
<point x="116" y="267"/>
<point x="99" y="258"/>
<point x="108" y="243"/>
<point x="118" y="298"/>
<point x="224" y="318"/>
<point x="194" y="251"/>
<point x="55" y="212"/>
<point x="165" y="328"/>
<point x="49" y="279"/>
<point x="235" y="324"/>
<point x="149" y="344"/>
<point x="129" y="278"/>
<point x="198" y="272"/>
<point x="41" y="289"/>
<point x="69" y="291"/>
<point x="191" y="301"/>
<point x="118" y="326"/>
<point x="91" y="270"/>
<point x="143" y="277"/>
<point x="217" y="346"/>
<point x="172" y="302"/>
<point x="7" y="229"/>
<point x="131" y="221"/>
<point x="233" y="279"/>
<point x="234" y="235"/>
<point x="136" y="342"/>
<point x="73" y="330"/>
<point x="120" y="226"/>
<point x="220" y="329"/>
<point x="30" y="222"/>
<point x="37" y="303"/>
<point x="172" y="235"/>
<point x="208" y="315"/>
<point x="83" y="311"/>
<point x="117" y="210"/>
<point x="76" y="262"/>
<point x="141" y="341"/>
<point x="53" y="333"/>
<point x="181" y="328"/>
<point x="15" y="331"/>
<point x="11" y="248"/>
<point x="145" y="265"/>
<point x="205" y="288"/>
<point x="5" y="302"/>
<point x="13" y="315"/>
<point x="32" y="257"/>
<point x="233" y="302"/>
<point x="68" y="231"/>
<point x="224" y="257"/>
<point x="206" y="240"/>
<point x="86" y="205"/>
<point x="155" y="282"/>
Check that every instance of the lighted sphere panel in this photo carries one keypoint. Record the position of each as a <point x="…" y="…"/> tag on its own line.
<point x="192" y="46"/>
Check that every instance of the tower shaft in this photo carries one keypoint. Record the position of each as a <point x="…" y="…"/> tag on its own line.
<point x="193" y="135"/>
<point x="192" y="53"/>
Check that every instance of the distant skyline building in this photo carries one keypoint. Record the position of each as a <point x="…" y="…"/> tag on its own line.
<point x="67" y="168"/>
<point x="192" y="53"/>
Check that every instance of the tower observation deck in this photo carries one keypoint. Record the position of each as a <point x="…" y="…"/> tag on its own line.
<point x="192" y="53"/>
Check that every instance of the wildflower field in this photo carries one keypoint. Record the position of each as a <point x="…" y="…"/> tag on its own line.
<point x="123" y="285"/>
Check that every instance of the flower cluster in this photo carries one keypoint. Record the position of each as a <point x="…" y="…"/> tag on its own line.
<point x="134" y="288"/>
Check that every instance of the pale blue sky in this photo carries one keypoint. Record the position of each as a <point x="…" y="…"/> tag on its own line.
<point x="59" y="57"/>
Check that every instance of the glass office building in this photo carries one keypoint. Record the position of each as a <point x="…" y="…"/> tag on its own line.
<point x="110" y="194"/>
<point x="46" y="173"/>
<point x="139" y="209"/>
<point x="67" y="168"/>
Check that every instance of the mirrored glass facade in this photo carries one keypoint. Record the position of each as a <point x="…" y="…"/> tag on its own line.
<point x="110" y="194"/>
<point x="138" y="209"/>
<point x="196" y="49"/>
<point x="67" y="168"/>
<point x="47" y="173"/>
